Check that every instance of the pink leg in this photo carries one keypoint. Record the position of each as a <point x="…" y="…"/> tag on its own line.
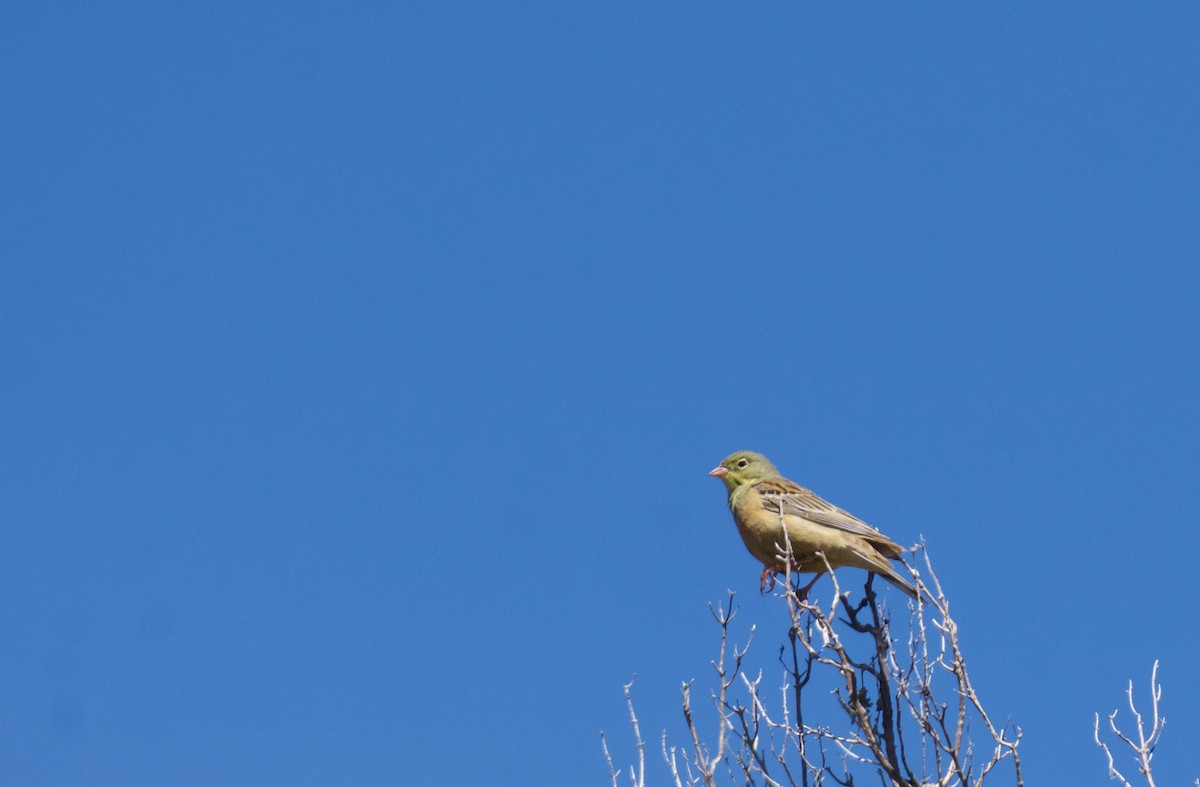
<point x="802" y="593"/>
<point x="766" y="580"/>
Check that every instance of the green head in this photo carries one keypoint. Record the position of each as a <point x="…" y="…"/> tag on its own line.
<point x="743" y="467"/>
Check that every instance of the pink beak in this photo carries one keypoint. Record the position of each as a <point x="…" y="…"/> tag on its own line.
<point x="719" y="472"/>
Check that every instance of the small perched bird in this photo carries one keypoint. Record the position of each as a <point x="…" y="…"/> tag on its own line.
<point x="763" y="501"/>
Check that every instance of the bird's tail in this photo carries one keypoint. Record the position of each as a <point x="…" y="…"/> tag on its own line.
<point x="893" y="576"/>
<point x="883" y="568"/>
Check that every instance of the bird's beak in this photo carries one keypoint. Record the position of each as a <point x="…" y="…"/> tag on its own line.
<point x="719" y="472"/>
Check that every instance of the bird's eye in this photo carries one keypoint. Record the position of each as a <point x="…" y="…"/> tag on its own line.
<point x="742" y="463"/>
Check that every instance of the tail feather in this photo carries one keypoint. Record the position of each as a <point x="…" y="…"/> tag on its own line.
<point x="894" y="577"/>
<point x="878" y="564"/>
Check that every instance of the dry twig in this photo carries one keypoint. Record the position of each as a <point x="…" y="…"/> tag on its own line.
<point x="1143" y="747"/>
<point x="897" y="710"/>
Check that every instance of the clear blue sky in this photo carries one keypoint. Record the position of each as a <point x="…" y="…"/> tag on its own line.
<point x="361" y="365"/>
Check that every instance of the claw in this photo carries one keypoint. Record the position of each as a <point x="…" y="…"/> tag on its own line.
<point x="766" y="580"/>
<point x="802" y="593"/>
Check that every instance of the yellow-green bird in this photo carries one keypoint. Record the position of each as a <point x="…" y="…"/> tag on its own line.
<point x="763" y="502"/>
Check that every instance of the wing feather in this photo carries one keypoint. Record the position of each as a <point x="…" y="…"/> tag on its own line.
<point x="795" y="500"/>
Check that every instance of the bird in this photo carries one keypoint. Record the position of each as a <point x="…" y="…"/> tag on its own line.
<point x="762" y="501"/>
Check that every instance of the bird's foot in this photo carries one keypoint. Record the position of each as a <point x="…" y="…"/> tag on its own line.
<point x="766" y="580"/>
<point x="802" y="593"/>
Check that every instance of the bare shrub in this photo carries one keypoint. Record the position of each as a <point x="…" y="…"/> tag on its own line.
<point x="861" y="701"/>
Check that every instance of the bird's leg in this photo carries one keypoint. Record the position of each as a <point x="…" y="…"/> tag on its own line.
<point x="766" y="580"/>
<point x="802" y="593"/>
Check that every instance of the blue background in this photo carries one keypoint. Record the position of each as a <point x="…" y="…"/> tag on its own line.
<point x="362" y="364"/>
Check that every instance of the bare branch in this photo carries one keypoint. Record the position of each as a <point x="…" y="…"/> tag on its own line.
<point x="638" y="777"/>
<point x="612" y="770"/>
<point x="1142" y="748"/>
<point x="894" y="700"/>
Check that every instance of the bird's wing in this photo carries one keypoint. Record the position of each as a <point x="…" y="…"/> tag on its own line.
<point x="780" y="493"/>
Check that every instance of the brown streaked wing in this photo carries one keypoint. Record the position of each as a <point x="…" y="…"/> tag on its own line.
<point x="798" y="501"/>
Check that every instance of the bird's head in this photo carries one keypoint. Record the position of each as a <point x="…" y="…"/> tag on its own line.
<point x="742" y="468"/>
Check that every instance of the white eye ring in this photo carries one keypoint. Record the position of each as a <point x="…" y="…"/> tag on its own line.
<point x="742" y="463"/>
